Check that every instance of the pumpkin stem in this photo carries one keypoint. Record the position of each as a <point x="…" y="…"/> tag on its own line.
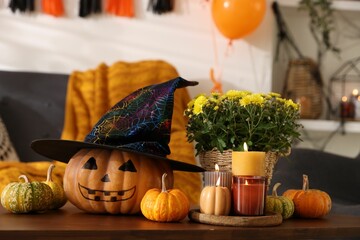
<point x="49" y="173"/>
<point x="305" y="182"/>
<point x="163" y="186"/>
<point x="274" y="191"/>
<point x="24" y="177"/>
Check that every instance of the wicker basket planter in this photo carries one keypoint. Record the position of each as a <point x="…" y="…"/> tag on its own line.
<point x="208" y="159"/>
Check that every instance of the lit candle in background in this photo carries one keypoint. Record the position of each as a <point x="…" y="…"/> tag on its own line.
<point x="251" y="163"/>
<point x="347" y="108"/>
<point x="355" y="93"/>
<point x="249" y="194"/>
<point x="343" y="107"/>
<point x="211" y="177"/>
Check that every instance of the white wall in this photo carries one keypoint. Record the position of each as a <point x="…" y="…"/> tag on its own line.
<point x="42" y="43"/>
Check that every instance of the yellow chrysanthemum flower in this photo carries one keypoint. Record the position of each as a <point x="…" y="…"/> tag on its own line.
<point x="255" y="99"/>
<point x="198" y="104"/>
<point x="273" y="94"/>
<point x="231" y="94"/>
<point x="290" y="103"/>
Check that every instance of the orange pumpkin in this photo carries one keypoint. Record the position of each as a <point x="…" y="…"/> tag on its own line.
<point x="163" y="205"/>
<point x="112" y="181"/>
<point x="309" y="203"/>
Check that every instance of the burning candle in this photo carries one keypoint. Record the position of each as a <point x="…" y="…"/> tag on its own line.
<point x="215" y="200"/>
<point x="249" y="195"/>
<point x="250" y="163"/>
<point x="346" y="108"/>
<point x="355" y="93"/>
<point x="224" y="177"/>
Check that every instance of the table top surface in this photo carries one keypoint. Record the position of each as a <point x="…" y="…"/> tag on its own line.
<point x="72" y="222"/>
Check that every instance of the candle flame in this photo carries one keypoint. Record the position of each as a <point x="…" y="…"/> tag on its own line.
<point x="245" y="147"/>
<point x="217" y="167"/>
<point x="218" y="182"/>
<point x="355" y="92"/>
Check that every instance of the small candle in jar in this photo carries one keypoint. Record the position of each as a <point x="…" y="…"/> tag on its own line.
<point x="251" y="163"/>
<point x="249" y="194"/>
<point x="224" y="177"/>
<point x="347" y="109"/>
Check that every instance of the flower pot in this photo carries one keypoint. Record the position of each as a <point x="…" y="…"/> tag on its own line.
<point x="208" y="159"/>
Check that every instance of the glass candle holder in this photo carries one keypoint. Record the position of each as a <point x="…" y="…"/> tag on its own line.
<point x="211" y="177"/>
<point x="249" y="194"/>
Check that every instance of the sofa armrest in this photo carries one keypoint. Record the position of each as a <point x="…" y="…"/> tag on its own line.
<point x="32" y="106"/>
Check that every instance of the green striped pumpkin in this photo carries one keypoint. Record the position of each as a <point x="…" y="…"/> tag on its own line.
<point x="25" y="197"/>
<point x="59" y="199"/>
<point x="279" y="204"/>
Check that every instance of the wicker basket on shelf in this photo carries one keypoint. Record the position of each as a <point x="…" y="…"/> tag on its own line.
<point x="303" y="84"/>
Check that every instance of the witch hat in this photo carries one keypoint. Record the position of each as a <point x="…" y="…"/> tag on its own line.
<point x="140" y="123"/>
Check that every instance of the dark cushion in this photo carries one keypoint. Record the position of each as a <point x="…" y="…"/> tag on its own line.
<point x="337" y="175"/>
<point x="32" y="106"/>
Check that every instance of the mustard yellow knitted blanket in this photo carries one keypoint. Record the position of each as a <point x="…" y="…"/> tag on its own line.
<point x="35" y="171"/>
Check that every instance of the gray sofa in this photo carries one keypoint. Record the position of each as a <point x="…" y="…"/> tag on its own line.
<point x="337" y="175"/>
<point x="32" y="107"/>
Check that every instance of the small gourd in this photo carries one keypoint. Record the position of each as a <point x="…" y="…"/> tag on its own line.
<point x="215" y="200"/>
<point x="59" y="199"/>
<point x="279" y="204"/>
<point x="164" y="205"/>
<point x="309" y="203"/>
<point x="25" y="197"/>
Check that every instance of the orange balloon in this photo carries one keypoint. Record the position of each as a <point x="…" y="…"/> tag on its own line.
<point x="237" y="18"/>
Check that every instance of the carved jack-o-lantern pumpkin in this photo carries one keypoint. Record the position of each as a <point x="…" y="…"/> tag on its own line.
<point x="124" y="155"/>
<point x="112" y="181"/>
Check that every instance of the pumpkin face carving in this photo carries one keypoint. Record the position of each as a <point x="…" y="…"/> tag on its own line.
<point x="112" y="181"/>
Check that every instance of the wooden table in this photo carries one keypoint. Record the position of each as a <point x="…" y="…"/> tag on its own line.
<point x="71" y="223"/>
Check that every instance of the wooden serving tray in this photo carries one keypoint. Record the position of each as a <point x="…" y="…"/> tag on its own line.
<point x="270" y="219"/>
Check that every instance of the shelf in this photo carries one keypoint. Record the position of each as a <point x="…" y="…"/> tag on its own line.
<point x="338" y="5"/>
<point x="330" y="125"/>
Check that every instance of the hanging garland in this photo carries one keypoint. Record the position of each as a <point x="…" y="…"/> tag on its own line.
<point x="53" y="7"/>
<point x="22" y="5"/>
<point x="88" y="7"/>
<point x="160" y="6"/>
<point x="121" y="8"/>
